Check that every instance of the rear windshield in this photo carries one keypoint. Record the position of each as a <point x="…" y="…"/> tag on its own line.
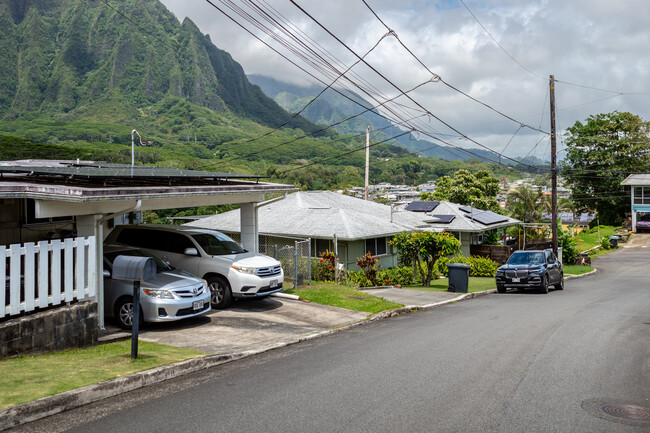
<point x="160" y="265"/>
<point x="525" y="258"/>
<point x="218" y="244"/>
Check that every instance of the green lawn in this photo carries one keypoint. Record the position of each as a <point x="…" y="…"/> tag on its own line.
<point x="576" y="269"/>
<point x="338" y="295"/>
<point x="590" y="240"/>
<point x="475" y="284"/>
<point x="29" y="378"/>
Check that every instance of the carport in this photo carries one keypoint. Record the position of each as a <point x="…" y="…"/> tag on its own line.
<point x="95" y="193"/>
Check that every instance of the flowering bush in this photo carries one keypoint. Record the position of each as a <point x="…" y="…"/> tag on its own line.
<point x="326" y="267"/>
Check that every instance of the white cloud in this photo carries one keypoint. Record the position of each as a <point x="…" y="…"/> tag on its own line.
<point x="595" y="43"/>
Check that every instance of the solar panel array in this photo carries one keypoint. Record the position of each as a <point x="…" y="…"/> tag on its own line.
<point x="485" y="217"/>
<point x="119" y="171"/>
<point x="422" y="206"/>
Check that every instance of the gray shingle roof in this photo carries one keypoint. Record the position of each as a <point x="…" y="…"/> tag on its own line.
<point x="320" y="214"/>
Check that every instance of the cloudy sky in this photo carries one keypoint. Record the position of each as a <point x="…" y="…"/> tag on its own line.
<point x="586" y="44"/>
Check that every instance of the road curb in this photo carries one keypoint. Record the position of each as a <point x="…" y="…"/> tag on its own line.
<point x="51" y="405"/>
<point x="573" y="277"/>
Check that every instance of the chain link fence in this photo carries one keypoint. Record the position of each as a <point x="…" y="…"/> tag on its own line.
<point x="292" y="253"/>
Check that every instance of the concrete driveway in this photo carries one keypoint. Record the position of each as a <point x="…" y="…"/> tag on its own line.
<point x="250" y="324"/>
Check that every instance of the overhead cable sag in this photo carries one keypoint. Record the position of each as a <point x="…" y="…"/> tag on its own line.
<point x="397" y="87"/>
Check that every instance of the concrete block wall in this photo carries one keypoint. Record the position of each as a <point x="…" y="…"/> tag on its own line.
<point x="65" y="327"/>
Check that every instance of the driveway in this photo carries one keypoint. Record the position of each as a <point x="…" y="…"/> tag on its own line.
<point x="250" y="324"/>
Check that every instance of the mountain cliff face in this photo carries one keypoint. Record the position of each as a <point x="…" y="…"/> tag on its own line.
<point x="85" y="59"/>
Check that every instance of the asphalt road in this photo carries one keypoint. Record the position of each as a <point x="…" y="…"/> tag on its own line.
<point x="514" y="362"/>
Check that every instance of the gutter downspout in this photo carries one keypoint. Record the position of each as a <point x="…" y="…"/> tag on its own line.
<point x="99" y="246"/>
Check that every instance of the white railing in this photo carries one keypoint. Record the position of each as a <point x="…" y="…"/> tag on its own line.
<point x="39" y="275"/>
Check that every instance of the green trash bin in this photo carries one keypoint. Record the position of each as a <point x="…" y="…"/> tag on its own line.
<point x="458" y="277"/>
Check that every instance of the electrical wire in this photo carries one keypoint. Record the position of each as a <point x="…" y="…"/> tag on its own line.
<point x="398" y="88"/>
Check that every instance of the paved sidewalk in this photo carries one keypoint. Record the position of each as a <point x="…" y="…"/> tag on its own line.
<point x="412" y="297"/>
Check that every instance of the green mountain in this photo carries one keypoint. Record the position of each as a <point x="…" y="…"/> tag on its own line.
<point x="78" y="75"/>
<point x="75" y="60"/>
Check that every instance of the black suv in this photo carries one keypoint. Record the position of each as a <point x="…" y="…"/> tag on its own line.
<point x="532" y="268"/>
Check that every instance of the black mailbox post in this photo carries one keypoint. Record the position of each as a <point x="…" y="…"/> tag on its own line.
<point x="136" y="269"/>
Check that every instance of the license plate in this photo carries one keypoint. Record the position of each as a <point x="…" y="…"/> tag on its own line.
<point x="197" y="305"/>
<point x="516" y="280"/>
<point x="273" y="284"/>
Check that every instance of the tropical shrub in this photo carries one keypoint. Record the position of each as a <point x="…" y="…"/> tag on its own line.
<point x="368" y="265"/>
<point x="400" y="275"/>
<point x="569" y="247"/>
<point x="424" y="248"/>
<point x="605" y="244"/>
<point x="479" y="266"/>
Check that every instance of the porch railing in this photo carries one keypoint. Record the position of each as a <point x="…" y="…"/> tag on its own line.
<point x="44" y="274"/>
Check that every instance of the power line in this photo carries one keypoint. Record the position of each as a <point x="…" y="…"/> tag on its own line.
<point x="345" y="153"/>
<point x="398" y="88"/>
<point x="498" y="44"/>
<point x="301" y="68"/>
<point x="439" y="78"/>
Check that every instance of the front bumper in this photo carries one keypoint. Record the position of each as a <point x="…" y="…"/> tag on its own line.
<point x="169" y="310"/>
<point x="252" y="286"/>
<point x="524" y="282"/>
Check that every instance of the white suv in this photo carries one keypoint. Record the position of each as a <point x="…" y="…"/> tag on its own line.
<point x="230" y="270"/>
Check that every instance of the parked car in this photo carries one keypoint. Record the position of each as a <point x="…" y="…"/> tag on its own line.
<point x="643" y="223"/>
<point x="173" y="295"/>
<point x="230" y="270"/>
<point x="533" y="268"/>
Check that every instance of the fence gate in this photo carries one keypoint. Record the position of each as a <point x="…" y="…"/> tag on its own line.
<point x="292" y="253"/>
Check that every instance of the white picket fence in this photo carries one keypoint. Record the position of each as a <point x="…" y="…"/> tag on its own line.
<point x="39" y="275"/>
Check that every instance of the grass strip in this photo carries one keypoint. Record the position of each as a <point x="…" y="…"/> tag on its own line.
<point x="341" y="296"/>
<point x="29" y="378"/>
<point x="576" y="269"/>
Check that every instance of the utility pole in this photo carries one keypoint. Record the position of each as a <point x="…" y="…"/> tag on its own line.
<point x="553" y="166"/>
<point x="367" y="160"/>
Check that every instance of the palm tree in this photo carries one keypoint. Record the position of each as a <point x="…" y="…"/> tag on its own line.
<point x="527" y="204"/>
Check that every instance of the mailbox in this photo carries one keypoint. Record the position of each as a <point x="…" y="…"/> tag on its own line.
<point x="133" y="268"/>
<point x="136" y="269"/>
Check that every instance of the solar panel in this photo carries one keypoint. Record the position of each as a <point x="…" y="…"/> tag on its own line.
<point x="422" y="206"/>
<point x="488" y="217"/>
<point x="103" y="170"/>
<point x="444" y="219"/>
<point x="468" y="209"/>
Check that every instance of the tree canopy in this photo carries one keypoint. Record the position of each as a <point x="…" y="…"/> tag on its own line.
<point x="478" y="190"/>
<point x="601" y="153"/>
<point x="424" y="248"/>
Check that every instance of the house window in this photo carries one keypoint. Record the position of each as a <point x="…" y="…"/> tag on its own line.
<point x="641" y="195"/>
<point x="319" y="246"/>
<point x="376" y="246"/>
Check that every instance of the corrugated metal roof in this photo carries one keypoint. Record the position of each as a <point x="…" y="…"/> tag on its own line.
<point x="637" y="180"/>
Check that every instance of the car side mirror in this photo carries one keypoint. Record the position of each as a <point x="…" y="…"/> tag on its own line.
<point x="191" y="252"/>
<point x="107" y="273"/>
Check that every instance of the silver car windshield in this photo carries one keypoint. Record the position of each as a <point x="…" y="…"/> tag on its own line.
<point x="218" y="244"/>
<point x="526" y="258"/>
